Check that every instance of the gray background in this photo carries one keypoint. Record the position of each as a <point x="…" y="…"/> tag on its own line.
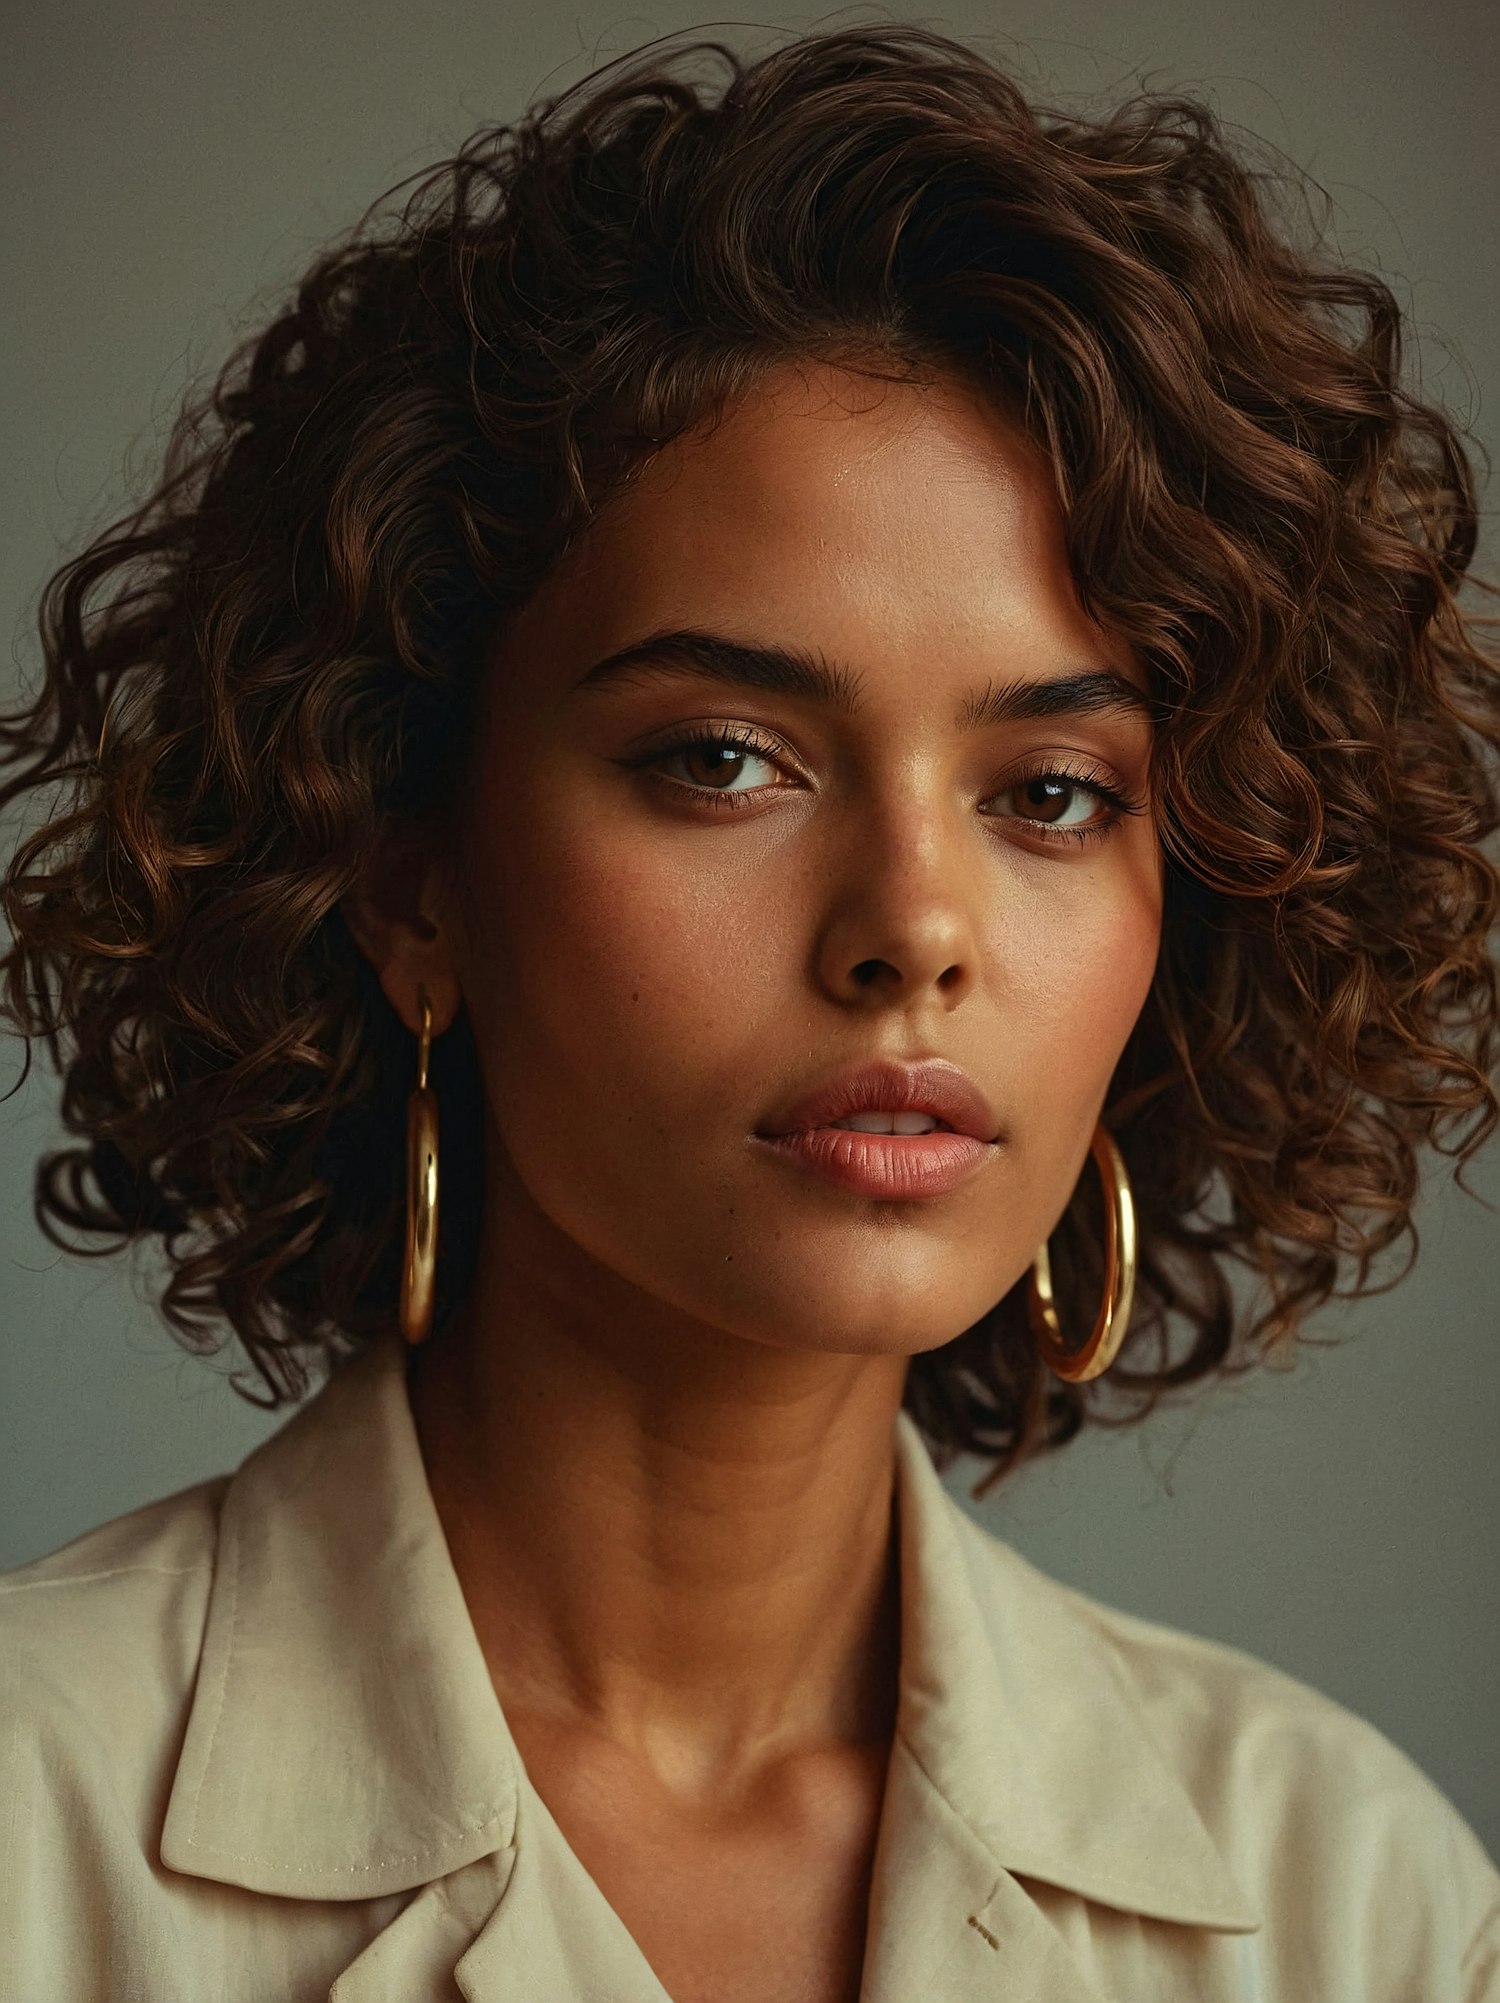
<point x="168" y="168"/>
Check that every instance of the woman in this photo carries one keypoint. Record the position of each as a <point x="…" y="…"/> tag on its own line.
<point x="709" y="718"/>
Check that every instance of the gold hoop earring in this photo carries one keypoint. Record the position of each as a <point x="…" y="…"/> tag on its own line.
<point x="1077" y="1366"/>
<point x="419" y="1268"/>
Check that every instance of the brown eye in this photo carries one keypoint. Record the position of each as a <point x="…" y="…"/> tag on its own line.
<point x="716" y="762"/>
<point x="1054" y="800"/>
<point x="712" y="763"/>
<point x="1046" y="799"/>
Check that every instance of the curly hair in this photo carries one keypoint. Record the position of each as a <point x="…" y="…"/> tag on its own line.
<point x="273" y="659"/>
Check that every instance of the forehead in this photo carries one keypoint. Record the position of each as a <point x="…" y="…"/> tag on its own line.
<point x="874" y="519"/>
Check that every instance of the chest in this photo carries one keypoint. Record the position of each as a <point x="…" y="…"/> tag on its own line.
<point x="758" y="1901"/>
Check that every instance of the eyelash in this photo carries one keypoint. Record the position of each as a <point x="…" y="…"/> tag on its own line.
<point x="745" y="740"/>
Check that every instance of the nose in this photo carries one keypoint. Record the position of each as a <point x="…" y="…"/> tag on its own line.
<point x="900" y="924"/>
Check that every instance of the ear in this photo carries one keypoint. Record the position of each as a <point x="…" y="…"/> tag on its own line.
<point x="401" y="912"/>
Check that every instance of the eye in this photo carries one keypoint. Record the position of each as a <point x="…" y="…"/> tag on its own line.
<point x="712" y="761"/>
<point x="1051" y="797"/>
<point x="1064" y="806"/>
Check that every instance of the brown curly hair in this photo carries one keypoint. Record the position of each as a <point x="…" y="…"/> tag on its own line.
<point x="273" y="659"/>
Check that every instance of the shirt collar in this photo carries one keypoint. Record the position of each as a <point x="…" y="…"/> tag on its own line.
<point x="345" y="1740"/>
<point x="1021" y="1715"/>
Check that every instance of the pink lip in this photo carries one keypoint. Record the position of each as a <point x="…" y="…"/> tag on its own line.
<point x="891" y="1165"/>
<point x="933" y="1086"/>
<point x="883" y="1164"/>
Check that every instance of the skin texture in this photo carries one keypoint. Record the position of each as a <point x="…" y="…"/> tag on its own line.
<point x="659" y="1430"/>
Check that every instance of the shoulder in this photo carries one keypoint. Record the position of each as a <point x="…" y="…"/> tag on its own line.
<point x="99" y="1648"/>
<point x="1241" y="1731"/>
<point x="1323" y="1820"/>
<point x="1231" y="1725"/>
<point x="138" y="1583"/>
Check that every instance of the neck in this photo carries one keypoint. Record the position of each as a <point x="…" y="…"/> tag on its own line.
<point x="681" y="1538"/>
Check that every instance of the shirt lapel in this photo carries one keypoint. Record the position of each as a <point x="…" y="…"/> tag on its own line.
<point x="554" y="1934"/>
<point x="945" y="1919"/>
<point x="1020" y="1755"/>
<point x="345" y="1740"/>
<point x="417" y="1957"/>
<point x="1022" y="1717"/>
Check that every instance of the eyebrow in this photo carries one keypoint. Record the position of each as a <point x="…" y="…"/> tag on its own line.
<point x="793" y="671"/>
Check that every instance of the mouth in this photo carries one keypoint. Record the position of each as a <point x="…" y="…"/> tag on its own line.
<point x="887" y="1129"/>
<point x="881" y="1162"/>
<point x="884" y="1098"/>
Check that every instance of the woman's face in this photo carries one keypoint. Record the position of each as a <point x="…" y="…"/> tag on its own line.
<point x="662" y="947"/>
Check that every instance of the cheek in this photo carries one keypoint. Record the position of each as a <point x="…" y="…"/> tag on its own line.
<point x="1096" y="958"/>
<point x="1081" y="956"/>
<point x="612" y="976"/>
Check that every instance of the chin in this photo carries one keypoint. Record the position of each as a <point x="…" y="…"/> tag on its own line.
<point x="842" y="1328"/>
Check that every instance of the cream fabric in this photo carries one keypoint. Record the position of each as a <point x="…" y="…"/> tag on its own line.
<point x="250" y="1753"/>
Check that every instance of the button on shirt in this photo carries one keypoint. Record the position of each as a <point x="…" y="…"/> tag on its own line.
<point x="250" y="1751"/>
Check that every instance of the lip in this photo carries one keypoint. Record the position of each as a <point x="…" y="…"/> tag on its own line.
<point x="932" y="1086"/>
<point x="888" y="1165"/>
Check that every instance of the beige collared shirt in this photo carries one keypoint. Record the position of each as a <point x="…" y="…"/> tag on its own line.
<point x="250" y="1752"/>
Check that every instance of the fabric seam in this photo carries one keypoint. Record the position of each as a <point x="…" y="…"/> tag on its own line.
<point x="92" y="1578"/>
